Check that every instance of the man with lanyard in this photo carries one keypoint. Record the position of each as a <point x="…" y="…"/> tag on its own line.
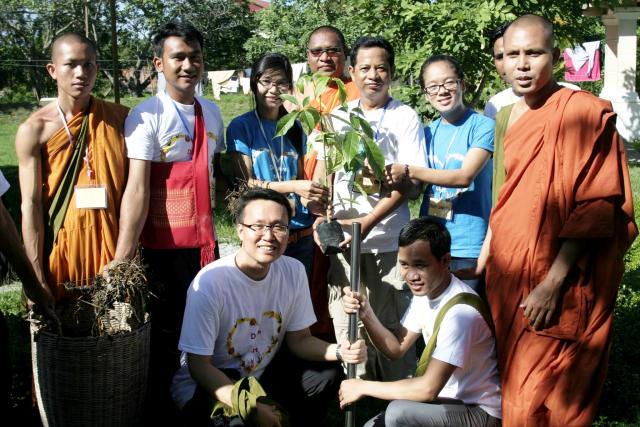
<point x="72" y="165"/>
<point x="382" y="212"/>
<point x="171" y="140"/>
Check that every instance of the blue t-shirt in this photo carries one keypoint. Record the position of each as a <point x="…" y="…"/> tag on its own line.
<point x="447" y="146"/>
<point x="245" y="136"/>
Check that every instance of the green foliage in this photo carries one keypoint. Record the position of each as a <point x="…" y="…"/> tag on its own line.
<point x="349" y="149"/>
<point x="419" y="29"/>
<point x="30" y="26"/>
<point x="285" y="26"/>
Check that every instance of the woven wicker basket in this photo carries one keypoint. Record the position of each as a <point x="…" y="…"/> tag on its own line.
<point x="91" y="381"/>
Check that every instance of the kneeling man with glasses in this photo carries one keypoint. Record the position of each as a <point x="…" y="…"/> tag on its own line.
<point x="248" y="315"/>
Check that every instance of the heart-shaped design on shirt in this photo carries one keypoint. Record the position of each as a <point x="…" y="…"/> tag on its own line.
<point x="252" y="341"/>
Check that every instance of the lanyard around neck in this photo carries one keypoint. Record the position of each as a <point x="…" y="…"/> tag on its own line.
<point x="279" y="171"/>
<point x="64" y="123"/>
<point x="379" y="125"/>
<point x="183" y="120"/>
<point x="433" y="145"/>
<point x="90" y="174"/>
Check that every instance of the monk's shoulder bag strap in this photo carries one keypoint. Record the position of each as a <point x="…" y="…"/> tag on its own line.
<point x="62" y="197"/>
<point x="462" y="298"/>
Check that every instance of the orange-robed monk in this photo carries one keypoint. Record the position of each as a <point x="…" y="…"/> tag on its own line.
<point x="562" y="223"/>
<point x="72" y="168"/>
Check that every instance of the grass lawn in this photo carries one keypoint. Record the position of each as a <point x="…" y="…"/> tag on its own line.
<point x="620" y="403"/>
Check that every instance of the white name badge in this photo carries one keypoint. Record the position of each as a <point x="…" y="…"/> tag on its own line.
<point x="91" y="197"/>
<point x="441" y="208"/>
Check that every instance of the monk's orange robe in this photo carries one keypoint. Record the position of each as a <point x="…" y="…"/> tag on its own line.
<point x="566" y="178"/>
<point x="87" y="239"/>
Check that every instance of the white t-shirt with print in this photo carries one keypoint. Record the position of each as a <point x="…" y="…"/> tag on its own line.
<point x="465" y="341"/>
<point x="238" y="321"/>
<point x="400" y="136"/>
<point x="155" y="131"/>
<point x="4" y="184"/>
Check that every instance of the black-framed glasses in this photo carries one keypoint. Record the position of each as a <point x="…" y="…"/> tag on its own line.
<point x="281" y="85"/>
<point x="331" y="51"/>
<point x="261" y="229"/>
<point x="449" y="85"/>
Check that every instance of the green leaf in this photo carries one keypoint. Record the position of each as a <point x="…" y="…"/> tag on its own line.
<point x="375" y="157"/>
<point x="335" y="161"/>
<point x="316" y="116"/>
<point x="355" y="121"/>
<point x="366" y="128"/>
<point x="342" y="90"/>
<point x="306" y="101"/>
<point x="351" y="146"/>
<point x="292" y="99"/>
<point x="321" y="83"/>
<point x="307" y="120"/>
<point x="286" y="122"/>
<point x="302" y="82"/>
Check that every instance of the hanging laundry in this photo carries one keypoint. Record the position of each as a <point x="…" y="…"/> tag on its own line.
<point x="218" y="78"/>
<point x="245" y="82"/>
<point x="582" y="63"/>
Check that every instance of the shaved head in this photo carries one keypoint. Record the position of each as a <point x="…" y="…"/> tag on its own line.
<point x="534" y="23"/>
<point x="72" y="38"/>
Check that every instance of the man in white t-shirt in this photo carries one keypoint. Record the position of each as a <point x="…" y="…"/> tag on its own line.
<point x="248" y="315"/>
<point x="460" y="386"/>
<point x="167" y="134"/>
<point x="382" y="213"/>
<point x="507" y="96"/>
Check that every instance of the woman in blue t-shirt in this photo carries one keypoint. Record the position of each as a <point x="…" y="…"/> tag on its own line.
<point x="261" y="159"/>
<point x="459" y="150"/>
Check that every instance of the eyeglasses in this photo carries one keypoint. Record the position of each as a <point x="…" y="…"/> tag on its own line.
<point x="331" y="51"/>
<point x="449" y="85"/>
<point x="278" y="230"/>
<point x="281" y="85"/>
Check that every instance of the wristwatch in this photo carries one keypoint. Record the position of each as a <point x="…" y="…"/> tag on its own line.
<point x="338" y="355"/>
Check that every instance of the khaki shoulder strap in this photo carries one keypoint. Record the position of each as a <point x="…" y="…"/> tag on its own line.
<point x="60" y="202"/>
<point x="463" y="298"/>
<point x="499" y="173"/>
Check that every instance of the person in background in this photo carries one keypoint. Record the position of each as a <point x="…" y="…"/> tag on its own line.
<point x="260" y="159"/>
<point x="459" y="149"/>
<point x="506" y="96"/>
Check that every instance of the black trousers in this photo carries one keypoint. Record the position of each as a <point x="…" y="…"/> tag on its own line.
<point x="303" y="388"/>
<point x="169" y="274"/>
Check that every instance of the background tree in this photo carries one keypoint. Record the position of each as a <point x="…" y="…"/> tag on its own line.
<point x="28" y="27"/>
<point x="418" y="29"/>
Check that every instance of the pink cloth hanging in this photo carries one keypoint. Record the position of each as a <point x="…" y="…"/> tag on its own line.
<point x="582" y="63"/>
